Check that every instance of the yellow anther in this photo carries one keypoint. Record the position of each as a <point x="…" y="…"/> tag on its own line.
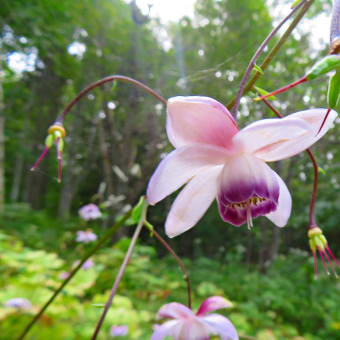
<point x="314" y="232"/>
<point x="57" y="128"/>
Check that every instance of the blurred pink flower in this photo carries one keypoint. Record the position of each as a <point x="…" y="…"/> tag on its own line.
<point x="86" y="236"/>
<point x="119" y="330"/>
<point x="220" y="161"/>
<point x="189" y="326"/>
<point x="90" y="212"/>
<point x="19" y="303"/>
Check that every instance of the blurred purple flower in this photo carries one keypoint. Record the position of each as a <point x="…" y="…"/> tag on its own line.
<point x="186" y="325"/>
<point x="119" y="330"/>
<point x="19" y="303"/>
<point x="87" y="264"/>
<point x="89" y="212"/>
<point x="86" y="236"/>
<point x="64" y="275"/>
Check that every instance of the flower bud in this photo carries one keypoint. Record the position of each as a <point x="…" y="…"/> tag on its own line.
<point x="329" y="63"/>
<point x="333" y="95"/>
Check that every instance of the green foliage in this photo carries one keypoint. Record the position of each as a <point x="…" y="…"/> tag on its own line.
<point x="286" y="303"/>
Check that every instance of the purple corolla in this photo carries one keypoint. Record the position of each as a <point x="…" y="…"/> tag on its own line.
<point x="86" y="236"/>
<point x="119" y="330"/>
<point x="185" y="325"/>
<point x="90" y="212"/>
<point x="18" y="303"/>
<point x="217" y="160"/>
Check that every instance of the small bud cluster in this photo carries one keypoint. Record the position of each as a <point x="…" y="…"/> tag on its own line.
<point x="56" y="134"/>
<point x="318" y="244"/>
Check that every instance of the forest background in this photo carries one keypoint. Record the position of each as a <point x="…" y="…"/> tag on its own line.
<point x="49" y="51"/>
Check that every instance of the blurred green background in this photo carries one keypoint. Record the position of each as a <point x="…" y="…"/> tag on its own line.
<point x="49" y="51"/>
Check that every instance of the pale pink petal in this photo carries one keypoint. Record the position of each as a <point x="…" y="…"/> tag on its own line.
<point x="268" y="133"/>
<point x="193" y="329"/>
<point x="199" y="120"/>
<point x="180" y="166"/>
<point x="211" y="304"/>
<point x="248" y="188"/>
<point x="281" y="214"/>
<point x="175" y="310"/>
<point x="193" y="201"/>
<point x="314" y="119"/>
<point x="220" y="325"/>
<point x="166" y="329"/>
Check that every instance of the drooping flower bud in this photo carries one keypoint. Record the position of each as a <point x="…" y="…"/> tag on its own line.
<point x="56" y="133"/>
<point x="318" y="244"/>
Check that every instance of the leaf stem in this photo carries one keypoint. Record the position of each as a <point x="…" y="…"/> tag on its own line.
<point x="275" y="49"/>
<point x="180" y="263"/>
<point x="121" y="271"/>
<point x="257" y="55"/>
<point x="105" y="238"/>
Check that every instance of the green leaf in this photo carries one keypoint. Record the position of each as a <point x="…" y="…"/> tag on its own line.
<point x="322" y="171"/>
<point x="295" y="3"/>
<point x="263" y="92"/>
<point x="137" y="210"/>
<point x="258" y="69"/>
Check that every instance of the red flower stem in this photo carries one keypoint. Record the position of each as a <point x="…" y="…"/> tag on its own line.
<point x="121" y="272"/>
<point x="43" y="154"/>
<point x="257" y="55"/>
<point x="104" y="81"/>
<point x="312" y="222"/>
<point x="283" y="89"/>
<point x="324" y="120"/>
<point x="180" y="263"/>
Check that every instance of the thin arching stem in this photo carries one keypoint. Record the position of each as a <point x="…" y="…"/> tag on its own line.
<point x="180" y="263"/>
<point x="335" y="22"/>
<point x="104" y="81"/>
<point x="106" y="237"/>
<point x="120" y="273"/>
<point x="275" y="49"/>
<point x="312" y="221"/>
<point x="257" y="55"/>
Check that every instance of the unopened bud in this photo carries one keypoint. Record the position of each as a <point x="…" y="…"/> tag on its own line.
<point x="316" y="239"/>
<point x="333" y="95"/>
<point x="49" y="141"/>
<point x="327" y="64"/>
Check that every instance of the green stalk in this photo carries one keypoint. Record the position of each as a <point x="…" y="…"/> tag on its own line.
<point x="105" y="238"/>
<point x="275" y="49"/>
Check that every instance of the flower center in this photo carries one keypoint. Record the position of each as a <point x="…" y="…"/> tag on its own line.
<point x="248" y="204"/>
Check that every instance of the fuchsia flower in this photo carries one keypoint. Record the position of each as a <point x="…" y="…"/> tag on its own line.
<point x="90" y="212"/>
<point x="220" y="161"/>
<point x="86" y="236"/>
<point x="189" y="326"/>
